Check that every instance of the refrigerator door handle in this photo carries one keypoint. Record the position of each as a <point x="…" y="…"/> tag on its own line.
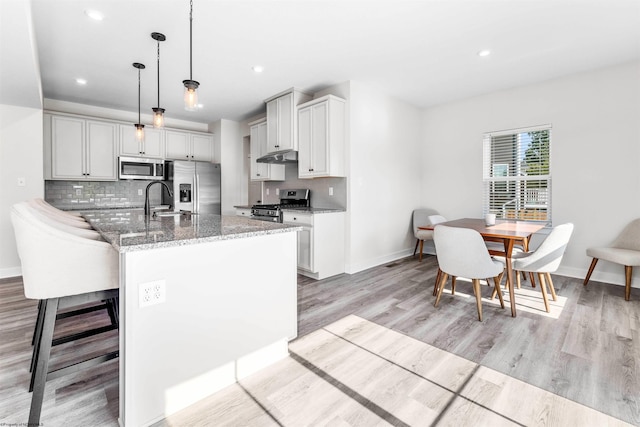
<point x="196" y="197"/>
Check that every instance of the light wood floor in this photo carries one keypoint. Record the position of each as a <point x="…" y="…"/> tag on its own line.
<point x="374" y="351"/>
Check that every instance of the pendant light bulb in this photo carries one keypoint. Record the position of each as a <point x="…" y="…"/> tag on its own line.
<point x="158" y="113"/>
<point x="139" y="132"/>
<point x="139" y="126"/>
<point x="190" y="85"/>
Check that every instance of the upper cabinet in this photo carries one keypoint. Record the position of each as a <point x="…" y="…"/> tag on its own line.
<point x="152" y="146"/>
<point x="282" y="120"/>
<point x="258" y="147"/>
<point x="321" y="136"/>
<point x="189" y="146"/>
<point x="79" y="149"/>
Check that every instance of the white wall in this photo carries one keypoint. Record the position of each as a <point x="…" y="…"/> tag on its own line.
<point x="384" y="183"/>
<point x="595" y="155"/>
<point x="228" y="136"/>
<point x="20" y="157"/>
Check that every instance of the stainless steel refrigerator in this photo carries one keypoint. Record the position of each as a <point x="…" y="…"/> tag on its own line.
<point x="195" y="186"/>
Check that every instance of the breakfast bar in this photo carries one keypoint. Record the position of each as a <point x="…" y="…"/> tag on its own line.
<point x="194" y="317"/>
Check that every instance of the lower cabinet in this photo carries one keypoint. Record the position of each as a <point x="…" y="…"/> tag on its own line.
<point x="245" y="212"/>
<point x="320" y="242"/>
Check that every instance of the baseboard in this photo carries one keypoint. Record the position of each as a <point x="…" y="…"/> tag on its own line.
<point x="355" y="268"/>
<point x="10" y="272"/>
<point x="599" y="276"/>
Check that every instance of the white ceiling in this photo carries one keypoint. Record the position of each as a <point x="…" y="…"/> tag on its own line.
<point x="423" y="52"/>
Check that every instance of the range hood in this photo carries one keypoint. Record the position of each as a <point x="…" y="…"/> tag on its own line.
<point x="279" y="157"/>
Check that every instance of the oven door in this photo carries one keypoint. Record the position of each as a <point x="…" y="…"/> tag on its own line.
<point x="265" y="218"/>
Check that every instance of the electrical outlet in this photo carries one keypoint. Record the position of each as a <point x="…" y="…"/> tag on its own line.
<point x="152" y="293"/>
<point x="78" y="192"/>
<point x="139" y="191"/>
<point x="267" y="191"/>
<point x="331" y="191"/>
<point x="277" y="191"/>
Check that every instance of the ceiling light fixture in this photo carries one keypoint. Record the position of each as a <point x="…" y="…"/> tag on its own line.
<point x="190" y="86"/>
<point x="257" y="68"/>
<point x="158" y="113"/>
<point x="94" y="14"/>
<point x="485" y="52"/>
<point x="139" y="126"/>
<point x="81" y="82"/>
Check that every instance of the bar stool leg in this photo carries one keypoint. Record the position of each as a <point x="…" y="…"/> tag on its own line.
<point x="42" y="365"/>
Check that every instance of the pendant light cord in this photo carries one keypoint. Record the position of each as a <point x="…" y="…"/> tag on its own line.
<point x="139" y="96"/>
<point x="191" y="41"/>
<point x="158" y="73"/>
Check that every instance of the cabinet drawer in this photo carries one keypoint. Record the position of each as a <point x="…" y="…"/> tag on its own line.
<point x="298" y="218"/>
<point x="243" y="212"/>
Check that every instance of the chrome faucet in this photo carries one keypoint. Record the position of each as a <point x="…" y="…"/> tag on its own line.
<point x="147" y="208"/>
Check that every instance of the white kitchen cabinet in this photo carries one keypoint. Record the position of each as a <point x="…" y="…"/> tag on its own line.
<point x="245" y="212"/>
<point x="282" y="120"/>
<point x="321" y="135"/>
<point x="320" y="242"/>
<point x="79" y="149"/>
<point x="152" y="146"/>
<point x="258" y="147"/>
<point x="180" y="145"/>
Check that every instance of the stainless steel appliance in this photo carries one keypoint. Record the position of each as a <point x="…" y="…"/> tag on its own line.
<point x="288" y="199"/>
<point x="141" y="168"/>
<point x="196" y="186"/>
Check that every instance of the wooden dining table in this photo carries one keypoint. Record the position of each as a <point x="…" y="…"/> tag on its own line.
<point x="507" y="232"/>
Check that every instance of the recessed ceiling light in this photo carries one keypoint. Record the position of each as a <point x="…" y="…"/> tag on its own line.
<point x="94" y="14"/>
<point x="199" y="106"/>
<point x="257" y="68"/>
<point x="485" y="52"/>
<point x="81" y="82"/>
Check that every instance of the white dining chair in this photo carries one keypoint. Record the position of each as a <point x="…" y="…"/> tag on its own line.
<point x="625" y="250"/>
<point x="546" y="259"/>
<point x="63" y="270"/>
<point x="420" y="218"/>
<point x="461" y="252"/>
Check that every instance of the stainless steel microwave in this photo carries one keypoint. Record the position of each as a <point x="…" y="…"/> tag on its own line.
<point x="141" y="168"/>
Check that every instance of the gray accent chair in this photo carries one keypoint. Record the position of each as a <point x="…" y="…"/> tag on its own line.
<point x="625" y="250"/>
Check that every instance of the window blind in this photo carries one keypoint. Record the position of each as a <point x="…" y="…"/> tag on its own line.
<point x="516" y="174"/>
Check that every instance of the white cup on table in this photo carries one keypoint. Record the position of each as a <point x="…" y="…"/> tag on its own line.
<point x="490" y="219"/>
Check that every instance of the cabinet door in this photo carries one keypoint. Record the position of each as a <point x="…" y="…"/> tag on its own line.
<point x="304" y="143"/>
<point x="320" y="139"/>
<point x="272" y="126"/>
<point x="153" y="145"/>
<point x="67" y="148"/>
<point x="128" y="144"/>
<point x="177" y="145"/>
<point x="257" y="169"/>
<point x="101" y="150"/>
<point x="202" y="147"/>
<point x="305" y="248"/>
<point x="285" y="122"/>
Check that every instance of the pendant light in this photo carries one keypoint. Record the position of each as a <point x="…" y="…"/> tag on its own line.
<point x="139" y="126"/>
<point x="158" y="113"/>
<point x="190" y="86"/>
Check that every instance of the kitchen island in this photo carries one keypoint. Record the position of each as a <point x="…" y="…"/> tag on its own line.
<point x="205" y="300"/>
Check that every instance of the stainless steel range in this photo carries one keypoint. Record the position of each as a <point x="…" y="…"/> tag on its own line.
<point x="288" y="199"/>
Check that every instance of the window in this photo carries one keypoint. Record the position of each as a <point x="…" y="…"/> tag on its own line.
<point x="516" y="174"/>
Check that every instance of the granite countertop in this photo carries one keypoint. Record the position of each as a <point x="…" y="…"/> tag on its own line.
<point x="129" y="230"/>
<point x="313" y="210"/>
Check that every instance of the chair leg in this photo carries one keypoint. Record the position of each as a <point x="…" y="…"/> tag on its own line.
<point x="551" y="288"/>
<point x="435" y="285"/>
<point x="518" y="280"/>
<point x="591" y="267"/>
<point x="37" y="331"/>
<point x="543" y="288"/>
<point x="628" y="270"/>
<point x="497" y="290"/>
<point x="476" y="290"/>
<point x="533" y="280"/>
<point x="416" y="248"/>
<point x="42" y="366"/>
<point x="421" y="247"/>
<point x="453" y="285"/>
<point x="443" y="280"/>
